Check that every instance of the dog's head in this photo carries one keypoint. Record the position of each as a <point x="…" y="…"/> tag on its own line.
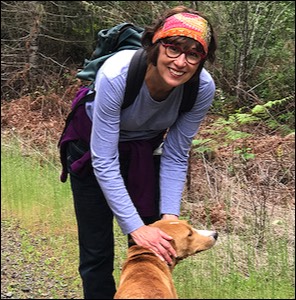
<point x="187" y="240"/>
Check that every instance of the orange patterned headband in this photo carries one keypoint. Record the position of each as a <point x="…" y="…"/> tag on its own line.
<point x="185" y="24"/>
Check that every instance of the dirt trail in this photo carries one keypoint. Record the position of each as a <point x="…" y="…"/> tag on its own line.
<point x="25" y="270"/>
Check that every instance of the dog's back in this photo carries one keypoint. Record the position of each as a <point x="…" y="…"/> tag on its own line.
<point x="145" y="276"/>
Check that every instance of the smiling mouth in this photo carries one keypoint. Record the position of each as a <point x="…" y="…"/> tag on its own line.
<point x="176" y="73"/>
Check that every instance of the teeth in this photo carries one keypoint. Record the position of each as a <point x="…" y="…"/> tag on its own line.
<point x="176" y="72"/>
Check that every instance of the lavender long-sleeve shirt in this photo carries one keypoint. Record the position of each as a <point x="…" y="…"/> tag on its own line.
<point x="144" y="119"/>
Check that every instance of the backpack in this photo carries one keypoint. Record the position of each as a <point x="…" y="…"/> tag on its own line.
<point x="77" y="124"/>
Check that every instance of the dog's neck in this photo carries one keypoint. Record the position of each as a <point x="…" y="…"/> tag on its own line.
<point x="139" y="252"/>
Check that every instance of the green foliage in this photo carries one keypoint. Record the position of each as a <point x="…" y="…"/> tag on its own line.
<point x="244" y="118"/>
<point x="227" y="130"/>
<point x="264" y="110"/>
<point x="233" y="135"/>
<point x="255" y="57"/>
<point x="202" y="146"/>
<point x="277" y="115"/>
<point x="245" y="153"/>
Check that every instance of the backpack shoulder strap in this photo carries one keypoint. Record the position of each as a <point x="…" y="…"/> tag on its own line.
<point x="190" y="91"/>
<point x="134" y="81"/>
<point x="189" y="95"/>
<point x="135" y="77"/>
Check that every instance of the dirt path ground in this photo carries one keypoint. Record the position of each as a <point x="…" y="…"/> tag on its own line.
<point x="27" y="273"/>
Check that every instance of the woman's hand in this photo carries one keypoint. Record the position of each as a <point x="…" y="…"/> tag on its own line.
<point x="170" y="217"/>
<point x="155" y="240"/>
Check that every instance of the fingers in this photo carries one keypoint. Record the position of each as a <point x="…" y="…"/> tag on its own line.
<point x="165" y="251"/>
<point x="155" y="240"/>
<point x="166" y="248"/>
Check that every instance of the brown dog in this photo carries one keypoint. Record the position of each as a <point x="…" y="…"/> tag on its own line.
<point x="145" y="276"/>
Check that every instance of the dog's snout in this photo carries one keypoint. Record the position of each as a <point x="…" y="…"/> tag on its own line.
<point x="210" y="233"/>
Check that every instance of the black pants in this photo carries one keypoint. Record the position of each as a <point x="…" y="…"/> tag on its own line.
<point x="95" y="233"/>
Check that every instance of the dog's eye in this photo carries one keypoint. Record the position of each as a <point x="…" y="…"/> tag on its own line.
<point x="190" y="233"/>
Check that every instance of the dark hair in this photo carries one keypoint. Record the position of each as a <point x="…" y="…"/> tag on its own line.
<point x="153" y="49"/>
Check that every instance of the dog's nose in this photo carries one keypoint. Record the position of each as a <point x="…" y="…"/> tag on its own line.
<point x="215" y="235"/>
<point x="211" y="233"/>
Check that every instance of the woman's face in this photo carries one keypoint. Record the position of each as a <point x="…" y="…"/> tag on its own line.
<point x="176" y="71"/>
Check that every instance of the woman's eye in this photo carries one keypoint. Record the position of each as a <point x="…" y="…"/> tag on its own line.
<point x="174" y="49"/>
<point x="193" y="54"/>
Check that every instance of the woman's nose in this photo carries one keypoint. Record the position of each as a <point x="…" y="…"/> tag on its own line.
<point x="181" y="60"/>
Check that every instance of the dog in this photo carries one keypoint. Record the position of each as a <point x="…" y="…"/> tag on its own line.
<point x="145" y="276"/>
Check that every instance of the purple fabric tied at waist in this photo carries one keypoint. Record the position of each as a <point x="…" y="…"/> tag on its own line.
<point x="79" y="129"/>
<point x="141" y="183"/>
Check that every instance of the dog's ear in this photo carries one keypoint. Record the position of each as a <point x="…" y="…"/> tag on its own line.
<point x="131" y="242"/>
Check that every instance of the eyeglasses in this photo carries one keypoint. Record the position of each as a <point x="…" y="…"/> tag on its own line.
<point x="174" y="51"/>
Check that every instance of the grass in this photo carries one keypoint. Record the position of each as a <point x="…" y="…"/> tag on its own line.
<point x="233" y="269"/>
<point x="211" y="278"/>
<point x="31" y="189"/>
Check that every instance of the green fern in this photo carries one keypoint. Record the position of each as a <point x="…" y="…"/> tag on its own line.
<point x="235" y="135"/>
<point x="202" y="145"/>
<point x="263" y="110"/>
<point x="197" y="142"/>
<point x="245" y="153"/>
<point x="260" y="110"/>
<point x="246" y="118"/>
<point x="271" y="104"/>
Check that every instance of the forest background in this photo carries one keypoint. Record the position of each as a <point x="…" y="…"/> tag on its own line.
<point x="241" y="178"/>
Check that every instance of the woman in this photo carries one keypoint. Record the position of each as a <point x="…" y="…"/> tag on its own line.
<point x="140" y="154"/>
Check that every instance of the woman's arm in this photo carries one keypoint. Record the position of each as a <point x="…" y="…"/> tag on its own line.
<point x="104" y="149"/>
<point x="174" y="161"/>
